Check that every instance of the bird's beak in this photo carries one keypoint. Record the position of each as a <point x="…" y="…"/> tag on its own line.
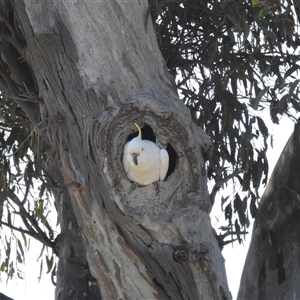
<point x="134" y="157"/>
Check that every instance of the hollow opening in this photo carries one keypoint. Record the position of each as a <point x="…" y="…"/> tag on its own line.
<point x="148" y="134"/>
<point x="172" y="160"/>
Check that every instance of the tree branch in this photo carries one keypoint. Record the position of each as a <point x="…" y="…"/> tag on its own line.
<point x="14" y="43"/>
<point x="8" y="23"/>
<point x="31" y="109"/>
<point x="31" y="233"/>
<point x="220" y="183"/>
<point x="43" y="238"/>
<point x="11" y="125"/>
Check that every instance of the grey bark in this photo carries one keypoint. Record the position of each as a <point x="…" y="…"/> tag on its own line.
<point x="74" y="280"/>
<point x="272" y="265"/>
<point x="3" y="297"/>
<point x="98" y="71"/>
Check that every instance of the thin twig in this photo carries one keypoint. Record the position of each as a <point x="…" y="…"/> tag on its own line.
<point x="10" y="125"/>
<point x="220" y="183"/>
<point x="26" y="99"/>
<point x="25" y="214"/>
<point x="35" y="127"/>
<point x="31" y="233"/>
<point x="8" y="23"/>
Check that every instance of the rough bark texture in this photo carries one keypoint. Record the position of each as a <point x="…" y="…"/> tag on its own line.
<point x="74" y="278"/>
<point x="272" y="266"/>
<point x="98" y="71"/>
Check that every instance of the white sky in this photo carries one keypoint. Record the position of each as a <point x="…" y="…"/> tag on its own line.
<point x="29" y="288"/>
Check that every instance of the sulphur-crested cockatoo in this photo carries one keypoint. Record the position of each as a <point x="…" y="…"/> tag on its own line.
<point x="144" y="162"/>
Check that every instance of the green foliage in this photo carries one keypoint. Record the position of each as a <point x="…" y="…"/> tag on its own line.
<point x="25" y="202"/>
<point x="233" y="59"/>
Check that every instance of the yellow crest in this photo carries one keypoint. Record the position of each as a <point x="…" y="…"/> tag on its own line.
<point x="139" y="129"/>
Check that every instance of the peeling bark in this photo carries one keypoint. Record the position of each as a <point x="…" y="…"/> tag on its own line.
<point x="74" y="278"/>
<point x="99" y="71"/>
<point x="272" y="266"/>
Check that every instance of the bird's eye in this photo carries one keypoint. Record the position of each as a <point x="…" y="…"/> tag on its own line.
<point x="142" y="149"/>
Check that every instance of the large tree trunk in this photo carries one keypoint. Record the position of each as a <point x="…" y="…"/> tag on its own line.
<point x="272" y="269"/>
<point x="98" y="71"/>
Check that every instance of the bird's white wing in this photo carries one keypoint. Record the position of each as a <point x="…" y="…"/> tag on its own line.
<point x="125" y="159"/>
<point x="163" y="164"/>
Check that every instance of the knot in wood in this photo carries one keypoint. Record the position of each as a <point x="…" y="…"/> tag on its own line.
<point x="180" y="255"/>
<point x="198" y="252"/>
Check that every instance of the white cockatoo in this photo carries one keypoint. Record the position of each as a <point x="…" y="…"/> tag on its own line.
<point x="144" y="162"/>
